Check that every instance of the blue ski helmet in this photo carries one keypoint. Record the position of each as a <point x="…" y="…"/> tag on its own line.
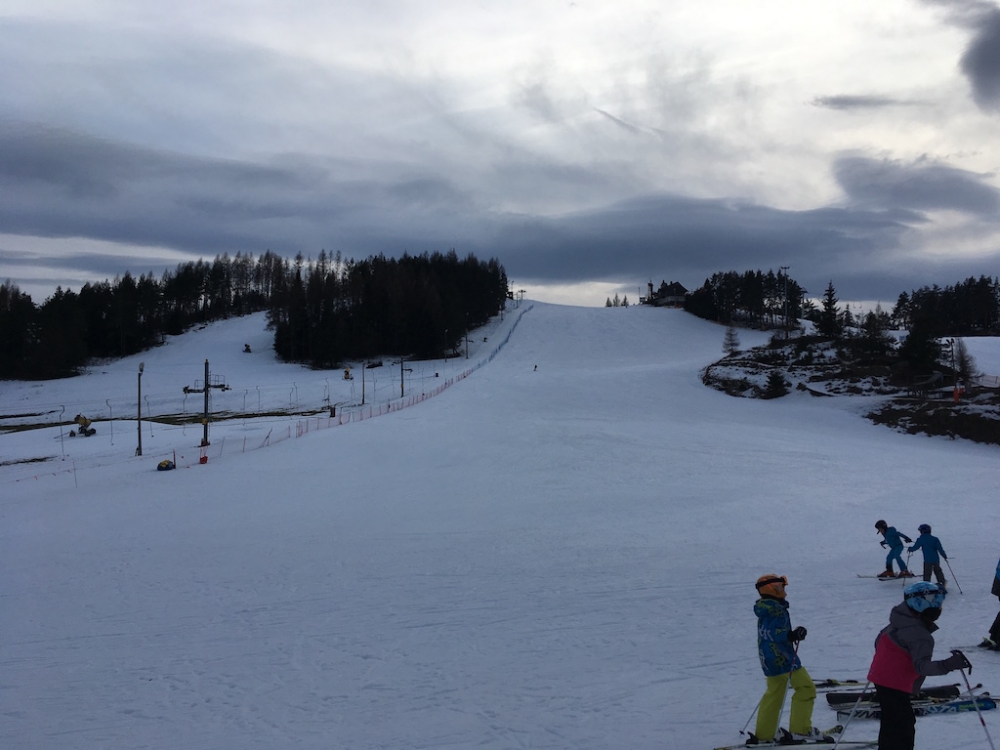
<point x="924" y="528"/>
<point x="924" y="595"/>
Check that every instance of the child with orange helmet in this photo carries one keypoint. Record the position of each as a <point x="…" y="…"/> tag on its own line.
<point x="777" y="646"/>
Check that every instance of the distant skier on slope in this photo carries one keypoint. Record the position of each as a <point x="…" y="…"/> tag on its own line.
<point x="930" y="545"/>
<point x="903" y="651"/>
<point x="894" y="541"/>
<point x="776" y="646"/>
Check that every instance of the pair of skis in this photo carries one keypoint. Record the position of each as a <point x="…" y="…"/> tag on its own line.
<point x="925" y="708"/>
<point x="845" y="698"/>
<point x="935" y="699"/>
<point x="787" y="740"/>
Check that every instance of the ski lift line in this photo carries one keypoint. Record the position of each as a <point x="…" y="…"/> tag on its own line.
<point x="168" y="401"/>
<point x="344" y="417"/>
<point x="165" y="397"/>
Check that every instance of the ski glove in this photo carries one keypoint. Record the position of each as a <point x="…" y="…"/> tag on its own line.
<point x="799" y="634"/>
<point x="957" y="660"/>
<point x="883" y="544"/>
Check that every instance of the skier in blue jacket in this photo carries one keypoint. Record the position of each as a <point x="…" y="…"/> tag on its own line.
<point x="777" y="646"/>
<point x="894" y="541"/>
<point x="933" y="552"/>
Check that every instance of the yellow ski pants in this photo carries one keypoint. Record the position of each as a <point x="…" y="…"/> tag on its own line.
<point x="803" y="699"/>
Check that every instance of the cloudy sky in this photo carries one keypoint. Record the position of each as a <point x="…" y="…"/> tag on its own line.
<point x="589" y="146"/>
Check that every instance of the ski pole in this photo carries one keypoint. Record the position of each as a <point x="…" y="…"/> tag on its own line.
<point x="953" y="576"/>
<point x="752" y="714"/>
<point x="854" y="710"/>
<point x="975" y="702"/>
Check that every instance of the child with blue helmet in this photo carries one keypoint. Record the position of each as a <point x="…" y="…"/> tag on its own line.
<point x="903" y="658"/>
<point x="894" y="541"/>
<point x="933" y="552"/>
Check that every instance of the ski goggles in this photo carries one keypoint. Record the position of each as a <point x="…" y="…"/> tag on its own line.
<point x="783" y="580"/>
<point x="934" y="599"/>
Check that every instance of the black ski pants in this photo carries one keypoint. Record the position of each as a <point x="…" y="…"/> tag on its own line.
<point x="897" y="728"/>
<point x="934" y="568"/>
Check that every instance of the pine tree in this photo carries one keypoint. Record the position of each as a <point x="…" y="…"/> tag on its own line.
<point x="965" y="365"/>
<point x="776" y="386"/>
<point x="731" y="343"/>
<point x="875" y="337"/>
<point x="920" y="349"/>
<point x="829" y="320"/>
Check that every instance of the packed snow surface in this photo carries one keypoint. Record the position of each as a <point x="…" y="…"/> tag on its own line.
<point x="557" y="549"/>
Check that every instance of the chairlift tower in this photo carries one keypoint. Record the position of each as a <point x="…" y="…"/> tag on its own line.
<point x="210" y="382"/>
<point x="402" y="376"/>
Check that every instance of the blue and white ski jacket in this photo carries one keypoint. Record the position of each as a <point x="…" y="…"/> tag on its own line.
<point x="777" y="653"/>
<point x="931" y="546"/>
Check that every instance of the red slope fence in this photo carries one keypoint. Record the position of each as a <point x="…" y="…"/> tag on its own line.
<point x="189" y="457"/>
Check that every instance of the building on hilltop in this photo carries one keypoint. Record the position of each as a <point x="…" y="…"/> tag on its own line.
<point x="668" y="295"/>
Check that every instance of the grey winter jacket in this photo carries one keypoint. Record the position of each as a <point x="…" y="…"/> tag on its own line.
<point x="911" y="633"/>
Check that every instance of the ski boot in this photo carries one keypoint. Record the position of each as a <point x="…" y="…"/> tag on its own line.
<point x="887" y="573"/>
<point x="905" y="574"/>
<point x="787" y="738"/>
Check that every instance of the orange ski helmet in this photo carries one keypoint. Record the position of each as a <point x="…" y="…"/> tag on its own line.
<point x="772" y="585"/>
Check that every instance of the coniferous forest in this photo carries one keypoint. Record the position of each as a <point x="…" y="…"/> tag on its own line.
<point x="968" y="308"/>
<point x="322" y="312"/>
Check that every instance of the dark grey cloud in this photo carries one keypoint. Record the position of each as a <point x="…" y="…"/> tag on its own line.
<point x="866" y="253"/>
<point x="917" y="186"/>
<point x="859" y="102"/>
<point x="687" y="239"/>
<point x="62" y="184"/>
<point x="980" y="63"/>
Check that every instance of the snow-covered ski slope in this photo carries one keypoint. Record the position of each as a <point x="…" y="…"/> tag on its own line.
<point x="551" y="558"/>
